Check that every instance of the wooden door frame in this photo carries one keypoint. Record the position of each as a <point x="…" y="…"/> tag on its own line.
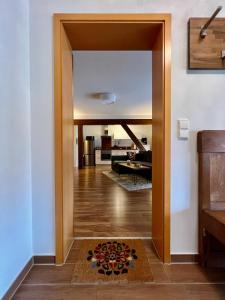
<point x="165" y="21"/>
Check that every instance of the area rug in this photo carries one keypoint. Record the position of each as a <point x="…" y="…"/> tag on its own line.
<point x="112" y="261"/>
<point x="126" y="181"/>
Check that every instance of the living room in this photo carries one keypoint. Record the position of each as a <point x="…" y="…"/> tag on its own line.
<point x="113" y="142"/>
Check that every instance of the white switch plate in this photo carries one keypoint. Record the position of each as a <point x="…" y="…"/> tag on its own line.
<point x="183" y="128"/>
<point x="183" y="123"/>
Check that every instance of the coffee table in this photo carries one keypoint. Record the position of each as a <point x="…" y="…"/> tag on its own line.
<point x="136" y="170"/>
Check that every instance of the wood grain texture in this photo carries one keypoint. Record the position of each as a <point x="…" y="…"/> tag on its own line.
<point x="112" y="121"/>
<point x="214" y="224"/>
<point x="184" y="258"/>
<point x="43" y="259"/>
<point x="17" y="282"/>
<point x="206" y="53"/>
<point x="175" y="281"/>
<point x="80" y="147"/>
<point x="68" y="141"/>
<point x="211" y="191"/>
<point x="210" y="141"/>
<point x="159" y="291"/>
<point x="150" y="22"/>
<point x="112" y="36"/>
<point x="217" y="177"/>
<point x="161" y="110"/>
<point x="157" y="145"/>
<point x="103" y="209"/>
<point x="167" y="138"/>
<point x="114" y="17"/>
<point x="63" y="142"/>
<point x="58" y="141"/>
<point x="106" y="142"/>
<point x="204" y="181"/>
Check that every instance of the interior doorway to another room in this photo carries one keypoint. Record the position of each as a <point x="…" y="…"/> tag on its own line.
<point x="110" y="193"/>
<point x="106" y="201"/>
<point x="123" y="33"/>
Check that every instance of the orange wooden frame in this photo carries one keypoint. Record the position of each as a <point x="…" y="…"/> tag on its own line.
<point x="165" y="21"/>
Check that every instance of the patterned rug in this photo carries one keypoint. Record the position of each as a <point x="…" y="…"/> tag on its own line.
<point x="126" y="181"/>
<point x="112" y="261"/>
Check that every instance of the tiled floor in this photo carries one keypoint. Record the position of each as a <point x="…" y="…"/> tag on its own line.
<point x="171" y="282"/>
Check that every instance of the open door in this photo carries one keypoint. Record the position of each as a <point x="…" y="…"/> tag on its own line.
<point x="64" y="136"/>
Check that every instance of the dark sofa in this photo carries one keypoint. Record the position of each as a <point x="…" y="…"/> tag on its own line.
<point x="143" y="158"/>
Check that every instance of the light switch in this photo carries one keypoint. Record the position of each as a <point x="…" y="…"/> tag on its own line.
<point x="183" y="123"/>
<point x="183" y="128"/>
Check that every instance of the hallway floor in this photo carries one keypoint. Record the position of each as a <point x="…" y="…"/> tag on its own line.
<point x="103" y="208"/>
<point x="171" y="282"/>
<point x="106" y="209"/>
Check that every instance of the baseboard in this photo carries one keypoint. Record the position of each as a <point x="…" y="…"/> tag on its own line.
<point x="68" y="252"/>
<point x="50" y="259"/>
<point x="113" y="238"/>
<point x="184" y="258"/>
<point x="44" y="259"/>
<point x="35" y="260"/>
<point x="19" y="279"/>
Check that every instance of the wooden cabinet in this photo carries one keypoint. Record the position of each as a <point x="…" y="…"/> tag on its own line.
<point x="106" y="142"/>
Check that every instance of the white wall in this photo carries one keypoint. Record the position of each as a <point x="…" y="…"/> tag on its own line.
<point x="15" y="184"/>
<point x="117" y="132"/>
<point x="128" y="74"/>
<point x="140" y="131"/>
<point x="196" y="95"/>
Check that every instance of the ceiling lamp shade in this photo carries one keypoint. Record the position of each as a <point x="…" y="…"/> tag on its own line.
<point x="107" y="98"/>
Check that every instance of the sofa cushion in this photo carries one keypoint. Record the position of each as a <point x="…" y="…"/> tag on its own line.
<point x="144" y="156"/>
<point x="118" y="158"/>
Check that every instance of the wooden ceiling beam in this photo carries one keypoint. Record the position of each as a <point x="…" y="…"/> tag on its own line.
<point x="112" y="121"/>
<point x="80" y="147"/>
<point x="133" y="137"/>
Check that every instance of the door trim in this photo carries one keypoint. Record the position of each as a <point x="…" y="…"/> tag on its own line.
<point x="165" y="21"/>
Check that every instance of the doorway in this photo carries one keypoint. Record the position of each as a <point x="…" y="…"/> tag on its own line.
<point x="112" y="32"/>
<point x="109" y="194"/>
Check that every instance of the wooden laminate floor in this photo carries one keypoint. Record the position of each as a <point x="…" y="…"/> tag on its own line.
<point x="171" y="282"/>
<point x="104" y="209"/>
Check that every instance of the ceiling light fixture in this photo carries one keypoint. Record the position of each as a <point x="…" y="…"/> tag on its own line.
<point x="107" y="98"/>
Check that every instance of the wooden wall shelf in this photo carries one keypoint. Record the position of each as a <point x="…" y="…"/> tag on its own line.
<point x="206" y="53"/>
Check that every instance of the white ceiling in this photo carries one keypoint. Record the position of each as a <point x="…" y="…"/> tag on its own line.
<point x="128" y="74"/>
